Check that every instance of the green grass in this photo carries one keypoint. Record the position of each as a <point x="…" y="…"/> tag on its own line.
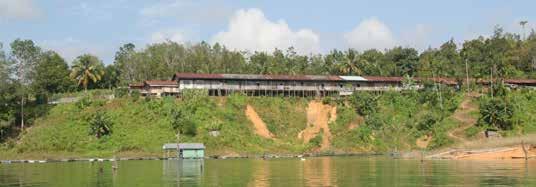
<point x="141" y="126"/>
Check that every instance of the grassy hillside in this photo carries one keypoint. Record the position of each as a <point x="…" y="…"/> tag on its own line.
<point x="364" y="123"/>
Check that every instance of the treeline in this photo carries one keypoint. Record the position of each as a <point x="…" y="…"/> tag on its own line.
<point x="30" y="73"/>
<point x="503" y="54"/>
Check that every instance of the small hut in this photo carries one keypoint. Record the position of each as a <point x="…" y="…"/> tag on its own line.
<point x="191" y="150"/>
<point x="170" y="148"/>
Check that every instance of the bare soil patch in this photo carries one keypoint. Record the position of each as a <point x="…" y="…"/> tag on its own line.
<point x="319" y="116"/>
<point x="258" y="124"/>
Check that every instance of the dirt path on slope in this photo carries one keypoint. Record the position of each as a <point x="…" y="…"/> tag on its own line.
<point x="319" y="116"/>
<point x="260" y="126"/>
<point x="462" y="114"/>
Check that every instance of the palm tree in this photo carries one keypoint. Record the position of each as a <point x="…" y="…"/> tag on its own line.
<point x="523" y="23"/>
<point x="87" y="68"/>
<point x="349" y="65"/>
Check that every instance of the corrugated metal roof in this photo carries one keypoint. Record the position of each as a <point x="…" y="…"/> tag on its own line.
<point x="196" y="76"/>
<point x="383" y="79"/>
<point x="191" y="146"/>
<point x="170" y="146"/>
<point x="521" y="81"/>
<point x="135" y="85"/>
<point x="161" y="82"/>
<point x="448" y="81"/>
<point x="255" y="77"/>
<point x="353" y="78"/>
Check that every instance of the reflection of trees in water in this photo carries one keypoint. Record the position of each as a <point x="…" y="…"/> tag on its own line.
<point x="318" y="172"/>
<point x="102" y="172"/>
<point x="261" y="173"/>
<point x="183" y="171"/>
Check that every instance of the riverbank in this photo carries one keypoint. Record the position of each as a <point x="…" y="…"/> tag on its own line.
<point x="130" y="156"/>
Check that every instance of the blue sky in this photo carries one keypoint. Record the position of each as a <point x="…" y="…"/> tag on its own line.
<point x="100" y="27"/>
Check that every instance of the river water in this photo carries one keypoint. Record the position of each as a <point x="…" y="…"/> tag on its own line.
<point x="321" y="171"/>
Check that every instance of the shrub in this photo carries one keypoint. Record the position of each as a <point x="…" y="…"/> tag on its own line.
<point x="472" y="131"/>
<point x="121" y="92"/>
<point x="100" y="125"/>
<point x="317" y="140"/>
<point x="427" y="122"/>
<point x="135" y="94"/>
<point x="83" y="102"/>
<point x="374" y="122"/>
<point x="497" y="112"/>
<point x="364" y="103"/>
<point x="182" y="123"/>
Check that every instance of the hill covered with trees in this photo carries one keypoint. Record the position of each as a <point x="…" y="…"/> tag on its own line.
<point x="31" y="75"/>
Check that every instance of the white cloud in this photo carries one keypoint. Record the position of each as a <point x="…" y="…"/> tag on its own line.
<point x="18" y="9"/>
<point x="251" y="30"/>
<point x="163" y="36"/>
<point x="370" y="34"/>
<point x="417" y="37"/>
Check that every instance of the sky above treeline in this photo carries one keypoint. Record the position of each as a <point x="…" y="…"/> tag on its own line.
<point x="100" y="27"/>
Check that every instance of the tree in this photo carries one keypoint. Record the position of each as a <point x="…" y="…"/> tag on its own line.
<point x="51" y="75"/>
<point x="111" y="77"/>
<point x="7" y="95"/>
<point x="349" y="65"/>
<point x="87" y="68"/>
<point x="100" y="125"/>
<point x="523" y="23"/>
<point x="24" y="54"/>
<point x="125" y="63"/>
<point x="405" y="61"/>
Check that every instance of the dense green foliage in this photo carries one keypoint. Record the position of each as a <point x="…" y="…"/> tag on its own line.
<point x="398" y="120"/>
<point x="29" y="76"/>
<point x="100" y="125"/>
<point x="86" y="69"/>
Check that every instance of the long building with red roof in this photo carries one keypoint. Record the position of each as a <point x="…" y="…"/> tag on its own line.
<point x="286" y="85"/>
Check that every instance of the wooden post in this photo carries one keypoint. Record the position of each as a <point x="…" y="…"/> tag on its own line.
<point x="524" y="149"/>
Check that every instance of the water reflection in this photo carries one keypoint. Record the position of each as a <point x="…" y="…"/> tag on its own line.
<point x="324" y="171"/>
<point x="183" y="171"/>
<point x="318" y="172"/>
<point x="261" y="173"/>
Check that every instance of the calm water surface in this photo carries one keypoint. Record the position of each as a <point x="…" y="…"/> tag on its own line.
<point x="323" y="171"/>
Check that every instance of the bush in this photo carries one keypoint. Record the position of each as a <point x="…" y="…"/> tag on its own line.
<point x="121" y="92"/>
<point x="182" y="123"/>
<point x="427" y="122"/>
<point x="497" y="112"/>
<point x="364" y="103"/>
<point x="472" y="131"/>
<point x="100" y="125"/>
<point x="135" y="94"/>
<point x="374" y="122"/>
<point x="317" y="140"/>
<point x="83" y="102"/>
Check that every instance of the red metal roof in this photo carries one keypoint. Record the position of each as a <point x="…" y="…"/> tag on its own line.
<point x="197" y="76"/>
<point x="135" y="85"/>
<point x="254" y="77"/>
<point x="161" y="82"/>
<point x="520" y="81"/>
<point x="449" y="81"/>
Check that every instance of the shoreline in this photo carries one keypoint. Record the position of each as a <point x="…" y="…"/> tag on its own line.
<point x="211" y="157"/>
<point x="500" y="153"/>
